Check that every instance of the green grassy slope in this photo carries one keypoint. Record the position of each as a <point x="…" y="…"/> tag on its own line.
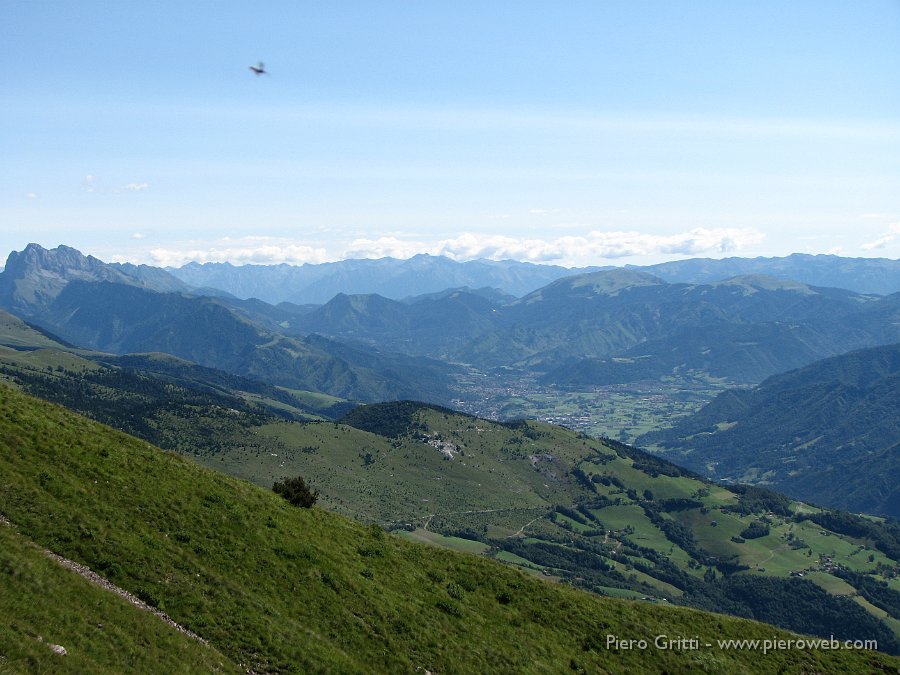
<point x="533" y="495"/>
<point x="43" y="604"/>
<point x="170" y="402"/>
<point x="45" y="365"/>
<point x="15" y="332"/>
<point x="510" y="491"/>
<point x="603" y="516"/>
<point x="285" y="590"/>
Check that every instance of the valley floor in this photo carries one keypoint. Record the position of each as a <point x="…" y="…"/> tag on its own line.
<point x="619" y="411"/>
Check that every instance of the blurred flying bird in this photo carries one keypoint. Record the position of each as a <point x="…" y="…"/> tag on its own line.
<point x="259" y="69"/>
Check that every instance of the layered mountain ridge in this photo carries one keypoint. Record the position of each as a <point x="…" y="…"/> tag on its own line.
<point x="98" y="306"/>
<point x="392" y="278"/>
<point x="597" y="328"/>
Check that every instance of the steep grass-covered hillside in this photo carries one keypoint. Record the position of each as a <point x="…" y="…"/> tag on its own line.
<point x="55" y="621"/>
<point x="279" y="589"/>
<point x="596" y="514"/>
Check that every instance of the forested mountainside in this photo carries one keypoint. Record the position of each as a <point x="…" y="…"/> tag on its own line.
<point x="621" y="326"/>
<point x="828" y="433"/>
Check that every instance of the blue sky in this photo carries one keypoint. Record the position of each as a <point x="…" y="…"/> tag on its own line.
<point x="576" y="133"/>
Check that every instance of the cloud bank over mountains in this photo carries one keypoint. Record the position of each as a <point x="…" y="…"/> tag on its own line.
<point x="592" y="248"/>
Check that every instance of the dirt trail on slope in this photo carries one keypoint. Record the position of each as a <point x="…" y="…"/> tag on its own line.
<point x="97" y="580"/>
<point x="521" y="531"/>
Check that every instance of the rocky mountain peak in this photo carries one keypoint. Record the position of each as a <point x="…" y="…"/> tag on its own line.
<point x="60" y="260"/>
<point x="36" y="275"/>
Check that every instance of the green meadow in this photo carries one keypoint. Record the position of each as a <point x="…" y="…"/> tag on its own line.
<point x="281" y="589"/>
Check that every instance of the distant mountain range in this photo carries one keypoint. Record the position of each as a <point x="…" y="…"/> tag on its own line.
<point x="398" y="279"/>
<point x="620" y="326"/>
<point x="389" y="277"/>
<point x="597" y="328"/>
<point x="828" y="433"/>
<point x="863" y="275"/>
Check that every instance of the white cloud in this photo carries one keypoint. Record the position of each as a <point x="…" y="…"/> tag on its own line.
<point x="881" y="242"/>
<point x="594" y="246"/>
<point x="137" y="235"/>
<point x="885" y="239"/>
<point x="32" y="195"/>
<point x="259" y="250"/>
<point x="135" y="187"/>
<point x="89" y="183"/>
